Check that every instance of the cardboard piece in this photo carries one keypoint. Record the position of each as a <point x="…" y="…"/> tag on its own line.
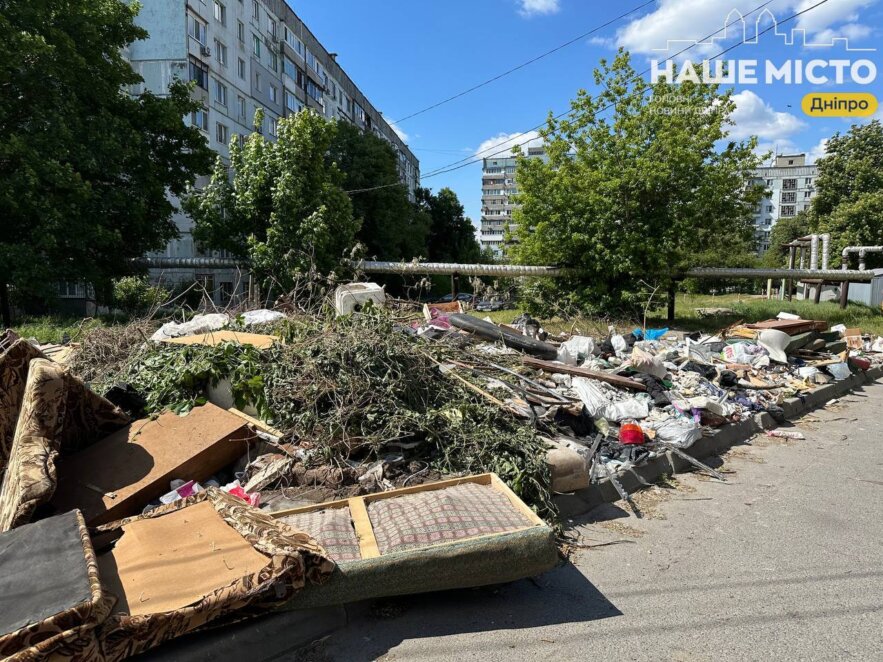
<point x="442" y="308"/>
<point x="217" y="337"/>
<point x="122" y="473"/>
<point x="166" y="563"/>
<point x="854" y="338"/>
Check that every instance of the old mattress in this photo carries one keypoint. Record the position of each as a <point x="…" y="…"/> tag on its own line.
<point x="49" y="588"/>
<point x="58" y="413"/>
<point x="453" y="534"/>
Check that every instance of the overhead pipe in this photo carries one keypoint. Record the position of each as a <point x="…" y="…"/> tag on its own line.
<point x="164" y="262"/>
<point x="831" y="275"/>
<point x="448" y="269"/>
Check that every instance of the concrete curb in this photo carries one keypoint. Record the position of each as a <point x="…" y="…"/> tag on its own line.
<point x="719" y="441"/>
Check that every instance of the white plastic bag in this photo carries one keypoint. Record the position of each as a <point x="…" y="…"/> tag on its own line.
<point x="261" y="316"/>
<point x="679" y="432"/>
<point x="576" y="350"/>
<point x="598" y="405"/>
<point x="198" y="325"/>
<point x="647" y="363"/>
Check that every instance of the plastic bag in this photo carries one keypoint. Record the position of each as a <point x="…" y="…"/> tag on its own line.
<point x="839" y="371"/>
<point x="741" y="352"/>
<point x="198" y="325"/>
<point x="679" y="432"/>
<point x="261" y="316"/>
<point x="576" y="350"/>
<point x="598" y="405"/>
<point x="647" y="363"/>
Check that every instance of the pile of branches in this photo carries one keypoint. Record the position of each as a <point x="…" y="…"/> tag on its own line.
<point x="356" y="390"/>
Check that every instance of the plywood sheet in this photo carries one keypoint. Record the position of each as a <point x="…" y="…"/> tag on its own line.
<point x="165" y="563"/>
<point x="122" y="473"/>
<point x="217" y="337"/>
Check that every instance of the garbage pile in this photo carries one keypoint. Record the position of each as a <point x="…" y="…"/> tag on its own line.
<point x="279" y="439"/>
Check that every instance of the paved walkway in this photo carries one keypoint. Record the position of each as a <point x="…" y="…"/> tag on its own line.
<point x="783" y="562"/>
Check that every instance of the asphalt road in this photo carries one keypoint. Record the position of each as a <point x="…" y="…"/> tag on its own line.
<point x="783" y="562"/>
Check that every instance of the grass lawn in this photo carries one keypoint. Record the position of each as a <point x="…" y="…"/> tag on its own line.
<point x="52" y="328"/>
<point x="747" y="308"/>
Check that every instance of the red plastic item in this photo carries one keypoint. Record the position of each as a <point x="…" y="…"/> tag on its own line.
<point x="631" y="434"/>
<point x="860" y="363"/>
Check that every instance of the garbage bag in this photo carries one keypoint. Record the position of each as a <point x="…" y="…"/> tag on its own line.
<point x="647" y="363"/>
<point x="598" y="405"/>
<point x="198" y="325"/>
<point x="261" y="316"/>
<point x="576" y="350"/>
<point x="680" y="432"/>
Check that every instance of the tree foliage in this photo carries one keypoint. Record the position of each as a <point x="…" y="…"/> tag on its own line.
<point x="391" y="227"/>
<point x="637" y="194"/>
<point x="451" y="233"/>
<point x="280" y="204"/>
<point x="849" y="201"/>
<point x="786" y="230"/>
<point x="85" y="167"/>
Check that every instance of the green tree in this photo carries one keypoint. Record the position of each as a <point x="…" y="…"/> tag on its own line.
<point x="85" y="167"/>
<point x="849" y="201"/>
<point x="283" y="207"/>
<point x="135" y="295"/>
<point x="391" y="226"/>
<point x="784" y="232"/>
<point x="641" y="183"/>
<point x="451" y="233"/>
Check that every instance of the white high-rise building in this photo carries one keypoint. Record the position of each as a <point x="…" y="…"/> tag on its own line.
<point x="792" y="185"/>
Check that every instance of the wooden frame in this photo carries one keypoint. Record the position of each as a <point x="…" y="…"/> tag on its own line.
<point x="362" y="523"/>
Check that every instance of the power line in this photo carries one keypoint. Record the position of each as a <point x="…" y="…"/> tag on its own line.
<point x="462" y="163"/>
<point x="524" y="64"/>
<point x="469" y="160"/>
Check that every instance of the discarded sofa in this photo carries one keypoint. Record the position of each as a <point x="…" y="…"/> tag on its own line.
<point x="456" y="533"/>
<point x="208" y="559"/>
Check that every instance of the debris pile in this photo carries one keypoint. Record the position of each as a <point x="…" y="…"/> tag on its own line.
<point x="284" y="444"/>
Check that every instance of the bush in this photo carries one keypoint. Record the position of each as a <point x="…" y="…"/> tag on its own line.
<point x="134" y="295"/>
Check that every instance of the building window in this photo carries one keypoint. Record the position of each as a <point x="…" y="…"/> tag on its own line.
<point x="220" y="93"/>
<point x="770" y="209"/>
<point x="807" y="194"/>
<point x="240" y="31"/>
<point x="288" y="68"/>
<point x="240" y="102"/>
<point x="199" y="73"/>
<point x="199" y="118"/>
<point x="221" y="52"/>
<point x="291" y="102"/>
<point x="255" y="10"/>
<point x="311" y="60"/>
<point x="271" y="26"/>
<point x="257" y="82"/>
<point x="294" y="42"/>
<point x="197" y="29"/>
<point x="274" y="94"/>
<point x="360" y="113"/>
<point x="274" y="62"/>
<point x="240" y="68"/>
<point x="313" y="90"/>
<point x="256" y="45"/>
<point x="220" y="13"/>
<point x="789" y="196"/>
<point x="789" y="184"/>
<point x="222" y="133"/>
<point x="807" y="181"/>
<point x="274" y="126"/>
<point x="788" y="210"/>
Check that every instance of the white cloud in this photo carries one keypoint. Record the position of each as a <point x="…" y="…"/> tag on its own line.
<point x="818" y="151"/>
<point x="754" y="117"/>
<point x="399" y="132"/>
<point x="501" y="145"/>
<point x="696" y="19"/>
<point x="538" y="7"/>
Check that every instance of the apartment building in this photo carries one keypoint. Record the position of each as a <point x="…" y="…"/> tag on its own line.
<point x="244" y="55"/>
<point x="791" y="185"/>
<point x="497" y="188"/>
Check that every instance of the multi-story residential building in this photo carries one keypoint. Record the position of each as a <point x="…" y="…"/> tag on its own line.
<point x="497" y="188"/>
<point x="244" y="55"/>
<point x="791" y="184"/>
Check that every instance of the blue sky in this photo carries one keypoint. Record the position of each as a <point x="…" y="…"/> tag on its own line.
<point x="409" y="54"/>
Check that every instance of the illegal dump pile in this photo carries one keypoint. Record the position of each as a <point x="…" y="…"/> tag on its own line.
<point x="305" y="460"/>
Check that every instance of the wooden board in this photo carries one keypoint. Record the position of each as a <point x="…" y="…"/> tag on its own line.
<point x="122" y="473"/>
<point x="217" y="337"/>
<point x="615" y="380"/>
<point x="791" y="327"/>
<point x="165" y="563"/>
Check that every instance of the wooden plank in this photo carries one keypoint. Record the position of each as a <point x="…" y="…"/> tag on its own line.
<point x="615" y="380"/>
<point x="364" y="530"/>
<point x="217" y="337"/>
<point x="258" y="423"/>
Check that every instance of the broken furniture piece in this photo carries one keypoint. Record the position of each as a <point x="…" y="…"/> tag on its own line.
<point x="119" y="475"/>
<point x="457" y="533"/>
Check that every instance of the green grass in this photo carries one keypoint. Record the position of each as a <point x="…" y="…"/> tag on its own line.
<point x="747" y="308"/>
<point x="52" y="328"/>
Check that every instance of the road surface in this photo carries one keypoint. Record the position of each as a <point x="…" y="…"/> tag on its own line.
<point x="783" y="562"/>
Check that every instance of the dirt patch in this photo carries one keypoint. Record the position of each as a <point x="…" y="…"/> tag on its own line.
<point x="742" y="453"/>
<point x="623" y="529"/>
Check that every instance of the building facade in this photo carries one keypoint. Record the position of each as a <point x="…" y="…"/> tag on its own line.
<point x="791" y="185"/>
<point x="245" y="55"/>
<point x="497" y="188"/>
